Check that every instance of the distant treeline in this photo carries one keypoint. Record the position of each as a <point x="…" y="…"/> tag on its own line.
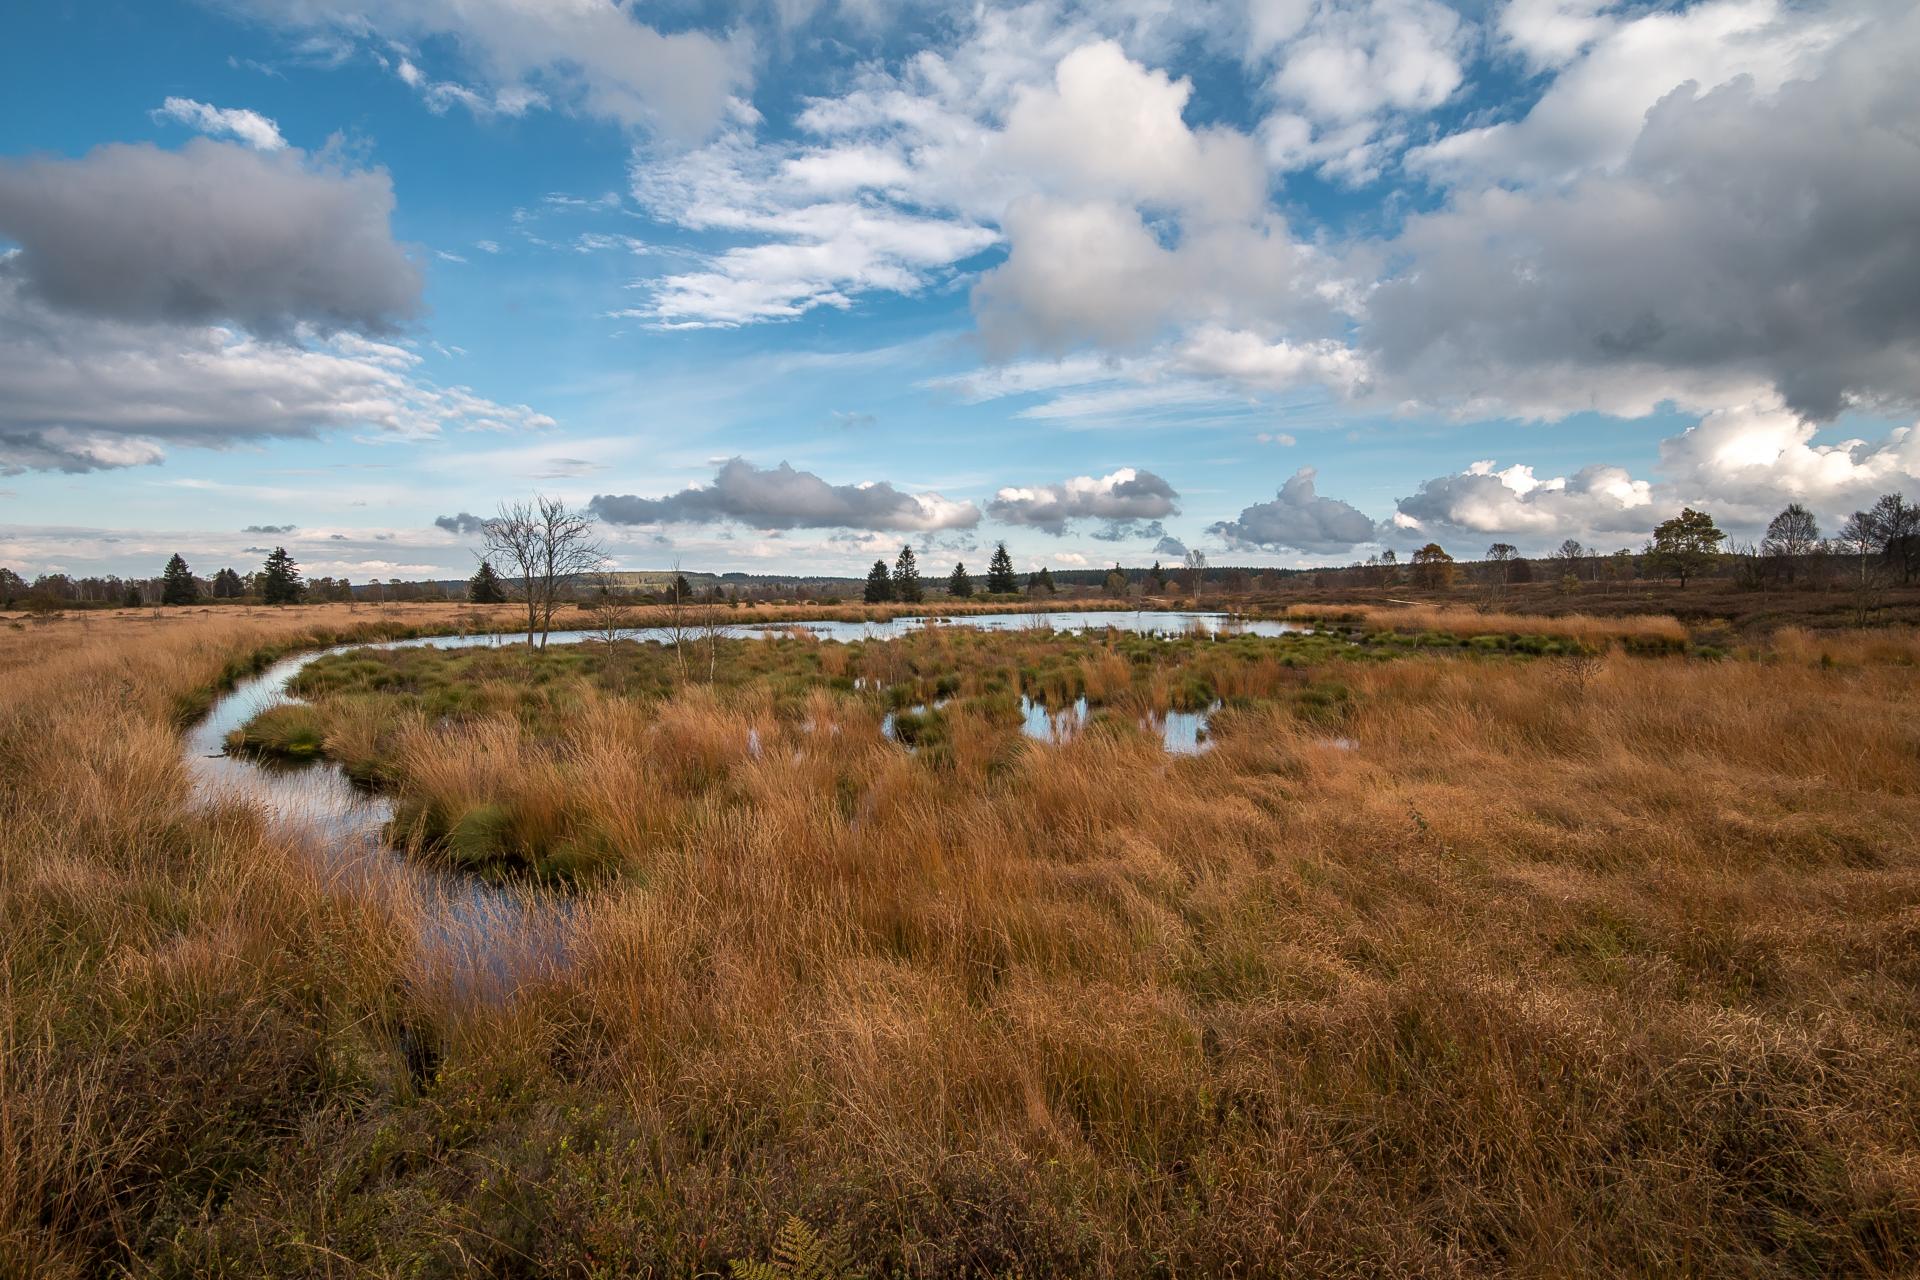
<point x="1875" y="548"/>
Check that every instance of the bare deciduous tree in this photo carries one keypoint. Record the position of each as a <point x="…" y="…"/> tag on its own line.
<point x="1792" y="536"/>
<point x="545" y="548"/>
<point x="1197" y="571"/>
<point x="1572" y="555"/>
<point x="679" y="626"/>
<point x="1859" y="541"/>
<point x="612" y="621"/>
<point x="1500" y="558"/>
<point x="710" y="628"/>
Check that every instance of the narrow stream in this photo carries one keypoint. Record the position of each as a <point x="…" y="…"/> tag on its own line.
<point x="486" y="935"/>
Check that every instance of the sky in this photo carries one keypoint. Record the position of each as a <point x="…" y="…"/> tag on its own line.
<point x="781" y="287"/>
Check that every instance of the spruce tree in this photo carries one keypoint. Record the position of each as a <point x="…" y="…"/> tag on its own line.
<point x="959" y="585"/>
<point x="280" y="579"/>
<point x="906" y="578"/>
<point x="133" y="600"/>
<point x="227" y="585"/>
<point x="484" y="587"/>
<point x="879" y="584"/>
<point x="1041" y="581"/>
<point x="1000" y="572"/>
<point x="177" y="585"/>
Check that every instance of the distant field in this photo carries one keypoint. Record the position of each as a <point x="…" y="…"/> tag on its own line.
<point x="1471" y="943"/>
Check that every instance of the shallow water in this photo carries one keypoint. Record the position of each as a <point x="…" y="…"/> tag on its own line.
<point x="484" y="934"/>
<point x="1140" y="621"/>
<point x="1181" y="732"/>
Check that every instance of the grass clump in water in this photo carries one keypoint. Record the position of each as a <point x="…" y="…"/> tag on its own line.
<point x="290" y="732"/>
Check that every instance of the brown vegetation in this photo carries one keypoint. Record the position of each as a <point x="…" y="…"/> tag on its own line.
<point x="1602" y="965"/>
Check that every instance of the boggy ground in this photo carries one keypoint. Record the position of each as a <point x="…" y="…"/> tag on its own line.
<point x="1565" y="966"/>
<point x="499" y="757"/>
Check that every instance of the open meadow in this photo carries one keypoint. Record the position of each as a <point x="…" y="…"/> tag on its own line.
<point x="1447" y="943"/>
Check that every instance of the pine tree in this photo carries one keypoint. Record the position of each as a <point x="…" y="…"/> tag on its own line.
<point x="1041" y="581"/>
<point x="682" y="589"/>
<point x="879" y="584"/>
<point x="1157" y="578"/>
<point x="959" y="585"/>
<point x="484" y="587"/>
<point x="134" y="599"/>
<point x="906" y="578"/>
<point x="280" y="579"/>
<point x="1000" y="572"/>
<point x="227" y="585"/>
<point x="177" y="584"/>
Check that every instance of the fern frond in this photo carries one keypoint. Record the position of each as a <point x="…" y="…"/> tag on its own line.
<point x="799" y="1253"/>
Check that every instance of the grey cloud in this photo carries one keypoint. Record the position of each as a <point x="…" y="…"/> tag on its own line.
<point x="1120" y="498"/>
<point x="1130" y="531"/>
<point x="465" y="523"/>
<point x="268" y="528"/>
<point x="783" y="498"/>
<point x="212" y="232"/>
<point x="1300" y="519"/>
<point x="84" y="393"/>
<point x="1748" y="239"/>
<point x="1170" y="547"/>
<point x="64" y="449"/>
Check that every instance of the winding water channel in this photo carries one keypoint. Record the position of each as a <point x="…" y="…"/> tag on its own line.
<point x="477" y="933"/>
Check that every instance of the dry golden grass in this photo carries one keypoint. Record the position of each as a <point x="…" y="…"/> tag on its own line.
<point x="1560" y="969"/>
<point x="1461" y="620"/>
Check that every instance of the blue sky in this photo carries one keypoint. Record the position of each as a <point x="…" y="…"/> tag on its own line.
<point x="778" y="288"/>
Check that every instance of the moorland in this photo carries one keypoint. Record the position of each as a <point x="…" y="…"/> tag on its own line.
<point x="1464" y="943"/>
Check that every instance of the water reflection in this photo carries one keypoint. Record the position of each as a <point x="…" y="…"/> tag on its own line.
<point x="476" y="937"/>
<point x="487" y="934"/>
<point x="1136" y="621"/>
<point x="1180" y="732"/>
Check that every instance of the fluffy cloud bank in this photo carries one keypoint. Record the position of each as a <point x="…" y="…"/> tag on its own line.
<point x="1119" y="498"/>
<point x="1755" y="238"/>
<point x="1298" y="519"/>
<point x="1752" y="459"/>
<point x="206" y="296"/>
<point x="1705" y="205"/>
<point x="1743" y="464"/>
<point x="86" y="394"/>
<point x="783" y="498"/>
<point x="213" y="232"/>
<point x="1514" y="501"/>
